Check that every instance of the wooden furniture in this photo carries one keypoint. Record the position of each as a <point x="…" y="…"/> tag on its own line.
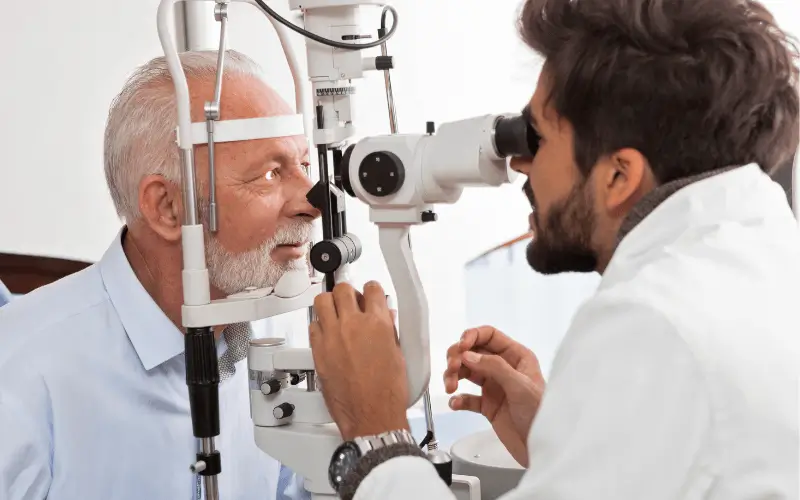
<point x="22" y="274"/>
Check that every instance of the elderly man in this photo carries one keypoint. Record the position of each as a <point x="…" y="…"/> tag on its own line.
<point x="93" y="400"/>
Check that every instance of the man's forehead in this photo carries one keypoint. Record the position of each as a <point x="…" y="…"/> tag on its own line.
<point x="541" y="107"/>
<point x="242" y="97"/>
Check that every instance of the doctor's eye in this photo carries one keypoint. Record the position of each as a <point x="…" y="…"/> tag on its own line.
<point x="271" y="175"/>
<point x="306" y="168"/>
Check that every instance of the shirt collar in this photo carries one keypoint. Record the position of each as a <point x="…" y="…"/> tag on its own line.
<point x="155" y="338"/>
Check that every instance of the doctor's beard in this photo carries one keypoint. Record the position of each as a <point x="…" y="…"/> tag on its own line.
<point x="563" y="244"/>
<point x="234" y="272"/>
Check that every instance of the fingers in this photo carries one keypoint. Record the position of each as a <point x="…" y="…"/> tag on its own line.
<point x="466" y="402"/>
<point x="375" y="298"/>
<point x="345" y="298"/>
<point x="325" y="309"/>
<point x="493" y="367"/>
<point x="315" y="335"/>
<point x="456" y="371"/>
<point x="487" y="337"/>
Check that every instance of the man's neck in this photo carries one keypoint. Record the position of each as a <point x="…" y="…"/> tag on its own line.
<point x="157" y="266"/>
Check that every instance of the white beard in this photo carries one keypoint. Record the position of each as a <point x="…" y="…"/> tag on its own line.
<point x="234" y="272"/>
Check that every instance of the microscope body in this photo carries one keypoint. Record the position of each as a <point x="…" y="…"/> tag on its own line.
<point x="400" y="177"/>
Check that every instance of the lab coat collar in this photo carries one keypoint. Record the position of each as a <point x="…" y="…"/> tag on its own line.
<point x="155" y="338"/>
<point x="736" y="194"/>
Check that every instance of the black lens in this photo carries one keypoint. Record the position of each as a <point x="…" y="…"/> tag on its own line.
<point x="514" y="136"/>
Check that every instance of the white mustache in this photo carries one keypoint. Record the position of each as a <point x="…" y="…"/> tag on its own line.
<point x="293" y="234"/>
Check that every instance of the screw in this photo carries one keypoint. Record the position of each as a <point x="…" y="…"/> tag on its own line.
<point x="325" y="257"/>
<point x="198" y="467"/>
<point x="477" y="456"/>
<point x="380" y="189"/>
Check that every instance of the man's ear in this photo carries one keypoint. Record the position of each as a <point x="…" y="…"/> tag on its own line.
<point x="626" y="179"/>
<point x="160" y="205"/>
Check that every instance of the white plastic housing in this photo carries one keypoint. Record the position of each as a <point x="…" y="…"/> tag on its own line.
<point x="305" y="449"/>
<point x="462" y="154"/>
<point x="437" y="167"/>
<point x="332" y="71"/>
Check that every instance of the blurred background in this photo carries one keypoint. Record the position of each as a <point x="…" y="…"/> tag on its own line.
<point x="64" y="63"/>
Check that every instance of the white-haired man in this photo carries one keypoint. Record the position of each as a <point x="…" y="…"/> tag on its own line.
<point x="93" y="399"/>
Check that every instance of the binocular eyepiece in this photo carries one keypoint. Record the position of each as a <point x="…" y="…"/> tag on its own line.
<point x="515" y="137"/>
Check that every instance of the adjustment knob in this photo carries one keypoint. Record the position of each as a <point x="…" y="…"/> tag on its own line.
<point x="270" y="387"/>
<point x="283" y="410"/>
<point x="381" y="173"/>
<point x="296" y="378"/>
<point x="328" y="256"/>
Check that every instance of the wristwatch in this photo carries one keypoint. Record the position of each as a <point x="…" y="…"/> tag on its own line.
<point x="347" y="455"/>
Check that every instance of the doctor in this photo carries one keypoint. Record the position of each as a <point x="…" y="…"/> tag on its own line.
<point x="679" y="378"/>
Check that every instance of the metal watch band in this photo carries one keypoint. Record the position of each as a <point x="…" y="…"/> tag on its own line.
<point x="382" y="440"/>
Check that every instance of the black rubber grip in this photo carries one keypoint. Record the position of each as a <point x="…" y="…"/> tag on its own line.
<point x="202" y="378"/>
<point x="445" y="471"/>
<point x="383" y="63"/>
<point x="213" y="463"/>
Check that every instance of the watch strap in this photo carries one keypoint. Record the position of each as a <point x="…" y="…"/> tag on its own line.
<point x="368" y="444"/>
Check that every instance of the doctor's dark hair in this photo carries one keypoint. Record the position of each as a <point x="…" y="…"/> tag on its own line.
<point x="694" y="85"/>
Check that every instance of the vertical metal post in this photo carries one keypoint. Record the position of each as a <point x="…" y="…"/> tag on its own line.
<point x="195" y="28"/>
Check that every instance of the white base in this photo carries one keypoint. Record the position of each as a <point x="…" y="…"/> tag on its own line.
<point x="305" y="449"/>
<point x="482" y="455"/>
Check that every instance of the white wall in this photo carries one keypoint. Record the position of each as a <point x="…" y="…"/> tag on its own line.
<point x="63" y="65"/>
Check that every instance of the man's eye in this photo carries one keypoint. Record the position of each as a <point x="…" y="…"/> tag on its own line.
<point x="271" y="175"/>
<point x="306" y="168"/>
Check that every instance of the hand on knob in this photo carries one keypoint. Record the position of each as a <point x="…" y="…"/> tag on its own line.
<point x="510" y="379"/>
<point x="358" y="361"/>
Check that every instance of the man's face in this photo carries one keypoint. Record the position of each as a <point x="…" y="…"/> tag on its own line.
<point x="264" y="219"/>
<point x="563" y="219"/>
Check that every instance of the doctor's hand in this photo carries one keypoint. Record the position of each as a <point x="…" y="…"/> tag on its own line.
<point x="358" y="361"/>
<point x="510" y="379"/>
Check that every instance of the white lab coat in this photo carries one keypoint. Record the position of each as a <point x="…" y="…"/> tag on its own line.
<point x="678" y="380"/>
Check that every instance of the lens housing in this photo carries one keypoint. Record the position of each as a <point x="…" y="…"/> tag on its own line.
<point x="514" y="137"/>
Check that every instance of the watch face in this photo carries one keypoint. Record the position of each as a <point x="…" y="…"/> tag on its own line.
<point x="343" y="461"/>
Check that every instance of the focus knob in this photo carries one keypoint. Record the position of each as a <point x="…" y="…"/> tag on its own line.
<point x="270" y="387"/>
<point x="327" y="256"/>
<point x="283" y="410"/>
<point x="381" y="173"/>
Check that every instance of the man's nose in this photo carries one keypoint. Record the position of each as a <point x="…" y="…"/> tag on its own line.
<point x="520" y="165"/>
<point x="300" y="204"/>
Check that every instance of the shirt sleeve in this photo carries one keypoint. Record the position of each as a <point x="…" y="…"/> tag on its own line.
<point x="625" y="415"/>
<point x="25" y="472"/>
<point x="5" y="295"/>
<point x="402" y="478"/>
<point x="290" y="486"/>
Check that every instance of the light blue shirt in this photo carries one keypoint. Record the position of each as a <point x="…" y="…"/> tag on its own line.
<point x="5" y="295"/>
<point x="94" y="403"/>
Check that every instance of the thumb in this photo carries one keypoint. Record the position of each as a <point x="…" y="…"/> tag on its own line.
<point x="492" y="367"/>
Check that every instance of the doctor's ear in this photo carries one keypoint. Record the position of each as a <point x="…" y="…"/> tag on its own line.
<point x="626" y="178"/>
<point x="161" y="207"/>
